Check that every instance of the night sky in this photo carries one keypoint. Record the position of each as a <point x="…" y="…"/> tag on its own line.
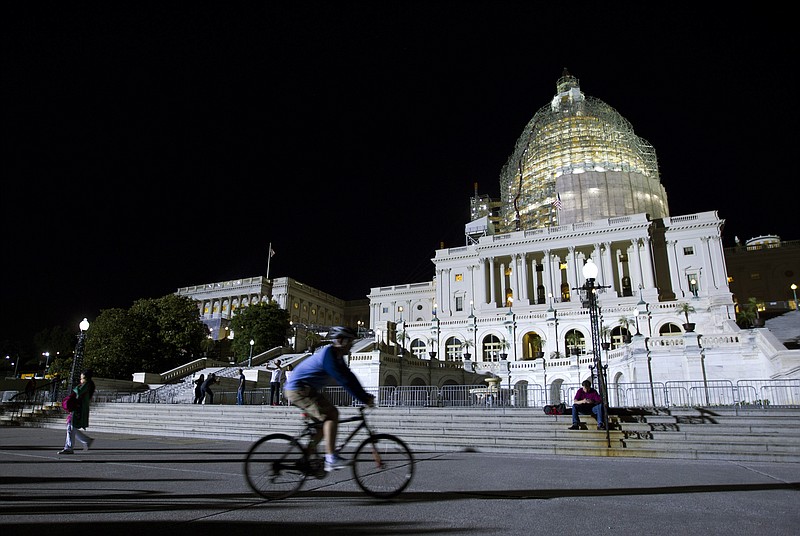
<point x="150" y="148"/>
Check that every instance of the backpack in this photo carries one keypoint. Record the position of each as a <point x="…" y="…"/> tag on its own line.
<point x="70" y="403"/>
<point x="558" y="409"/>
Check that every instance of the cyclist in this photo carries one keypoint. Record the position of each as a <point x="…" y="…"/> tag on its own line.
<point x="304" y="389"/>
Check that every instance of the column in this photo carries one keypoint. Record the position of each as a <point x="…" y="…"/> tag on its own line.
<point x="636" y="269"/>
<point x="547" y="274"/>
<point x="492" y="292"/>
<point x="647" y="269"/>
<point x="514" y="279"/>
<point x="675" y="276"/>
<point x="525" y="286"/>
<point x="572" y="274"/>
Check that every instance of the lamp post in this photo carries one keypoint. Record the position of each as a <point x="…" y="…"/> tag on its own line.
<point x="794" y="291"/>
<point x="14" y="364"/>
<point x="77" y="361"/>
<point x="400" y="310"/>
<point x="46" y="356"/>
<point x="434" y="336"/>
<point x="250" y="359"/>
<point x="590" y="287"/>
<point x="473" y="327"/>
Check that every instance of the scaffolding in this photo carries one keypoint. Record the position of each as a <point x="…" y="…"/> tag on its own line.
<point x="579" y="153"/>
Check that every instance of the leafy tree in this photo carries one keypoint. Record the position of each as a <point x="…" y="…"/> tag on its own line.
<point x="154" y="335"/>
<point x="116" y="343"/>
<point x="179" y="331"/>
<point x="748" y="313"/>
<point x="265" y="323"/>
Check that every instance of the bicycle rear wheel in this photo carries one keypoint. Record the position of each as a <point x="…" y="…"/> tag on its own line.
<point x="383" y="465"/>
<point x="275" y="466"/>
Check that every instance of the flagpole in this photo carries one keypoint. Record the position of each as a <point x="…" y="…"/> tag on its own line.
<point x="269" y="257"/>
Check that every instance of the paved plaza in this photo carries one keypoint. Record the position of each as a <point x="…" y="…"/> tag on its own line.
<point x="152" y="485"/>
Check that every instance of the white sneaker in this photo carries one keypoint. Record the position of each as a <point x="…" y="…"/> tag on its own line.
<point x="337" y="463"/>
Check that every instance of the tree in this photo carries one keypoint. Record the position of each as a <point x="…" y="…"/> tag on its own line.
<point x="115" y="344"/>
<point x="747" y="316"/>
<point x="154" y="335"/>
<point x="265" y="323"/>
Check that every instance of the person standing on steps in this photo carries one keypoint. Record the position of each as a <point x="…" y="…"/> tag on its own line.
<point x="79" y="417"/>
<point x="275" y="384"/>
<point x="587" y="402"/>
<point x="240" y="390"/>
<point x="198" y="389"/>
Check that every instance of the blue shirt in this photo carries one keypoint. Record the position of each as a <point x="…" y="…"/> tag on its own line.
<point x="320" y="368"/>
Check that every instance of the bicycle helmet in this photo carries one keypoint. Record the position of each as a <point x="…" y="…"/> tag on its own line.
<point x="337" y="332"/>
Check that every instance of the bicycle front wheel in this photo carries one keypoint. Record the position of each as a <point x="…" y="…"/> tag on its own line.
<point x="275" y="466"/>
<point x="383" y="466"/>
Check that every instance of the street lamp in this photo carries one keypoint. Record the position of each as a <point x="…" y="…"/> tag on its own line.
<point x="250" y="359"/>
<point x="473" y="327"/>
<point x="14" y="364"/>
<point x="590" y="287"/>
<point x="794" y="291"/>
<point x="434" y="336"/>
<point x="77" y="361"/>
<point x="400" y="309"/>
<point x="511" y="327"/>
<point x="46" y="362"/>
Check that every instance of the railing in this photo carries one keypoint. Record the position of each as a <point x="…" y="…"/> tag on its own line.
<point x="698" y="393"/>
<point x="755" y="394"/>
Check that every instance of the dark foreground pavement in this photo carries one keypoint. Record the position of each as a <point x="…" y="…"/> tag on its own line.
<point x="153" y="486"/>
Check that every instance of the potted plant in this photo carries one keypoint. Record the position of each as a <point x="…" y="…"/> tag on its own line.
<point x="605" y="335"/>
<point x="748" y="317"/>
<point x="556" y="355"/>
<point x="465" y="346"/>
<point x="625" y="323"/>
<point x="504" y="345"/>
<point x="684" y="308"/>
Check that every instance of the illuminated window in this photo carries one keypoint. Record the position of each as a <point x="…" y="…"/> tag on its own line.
<point x="459" y="277"/>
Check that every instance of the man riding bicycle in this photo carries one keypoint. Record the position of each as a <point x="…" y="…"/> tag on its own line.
<point x="309" y="378"/>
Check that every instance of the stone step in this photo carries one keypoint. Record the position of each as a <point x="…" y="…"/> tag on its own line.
<point x="755" y="435"/>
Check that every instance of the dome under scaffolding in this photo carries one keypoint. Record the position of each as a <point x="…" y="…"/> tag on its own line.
<point x="578" y="160"/>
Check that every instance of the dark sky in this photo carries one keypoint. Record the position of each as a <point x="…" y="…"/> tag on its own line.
<point x="150" y="148"/>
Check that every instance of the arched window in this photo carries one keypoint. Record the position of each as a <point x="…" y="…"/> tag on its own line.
<point x="452" y="349"/>
<point x="669" y="329"/>
<point x="492" y="347"/>
<point x="575" y="341"/>
<point x="418" y="347"/>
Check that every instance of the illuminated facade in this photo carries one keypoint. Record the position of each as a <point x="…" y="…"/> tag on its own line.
<point x="583" y="152"/>
<point x="510" y="299"/>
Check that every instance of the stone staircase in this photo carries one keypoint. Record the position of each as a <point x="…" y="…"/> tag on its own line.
<point x="734" y="434"/>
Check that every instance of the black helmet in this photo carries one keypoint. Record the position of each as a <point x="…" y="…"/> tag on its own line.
<point x="337" y="332"/>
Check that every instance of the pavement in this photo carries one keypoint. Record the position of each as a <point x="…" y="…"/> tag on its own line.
<point x="152" y="486"/>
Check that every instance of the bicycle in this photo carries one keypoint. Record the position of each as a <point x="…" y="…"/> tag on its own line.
<point x="277" y="465"/>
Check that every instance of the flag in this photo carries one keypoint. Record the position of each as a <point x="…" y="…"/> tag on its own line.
<point x="271" y="252"/>
<point x="557" y="202"/>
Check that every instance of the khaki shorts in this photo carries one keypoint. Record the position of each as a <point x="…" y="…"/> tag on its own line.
<point x="313" y="403"/>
